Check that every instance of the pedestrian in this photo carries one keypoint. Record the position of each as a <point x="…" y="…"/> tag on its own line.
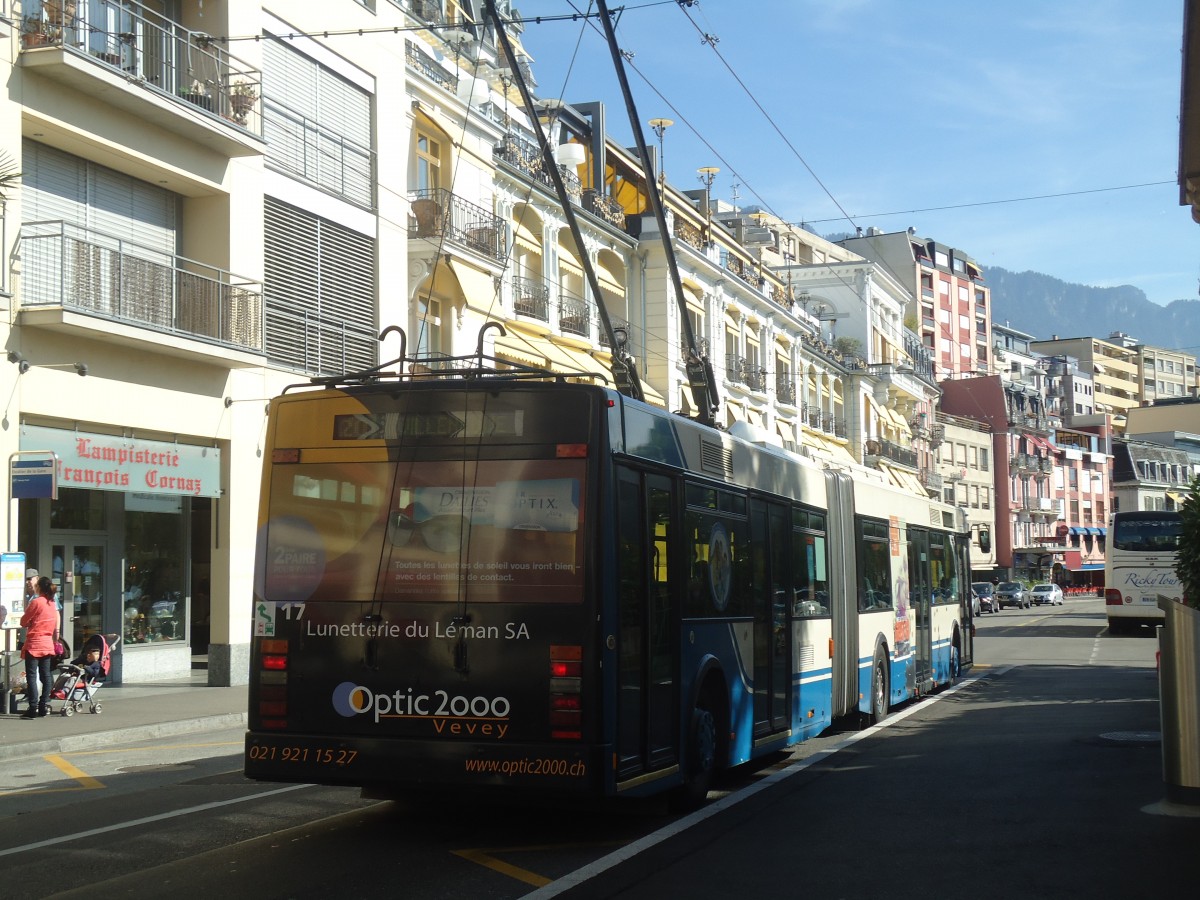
<point x="31" y="584"/>
<point x="40" y="622"/>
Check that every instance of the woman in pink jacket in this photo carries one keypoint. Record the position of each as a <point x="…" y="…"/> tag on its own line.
<point x="40" y="622"/>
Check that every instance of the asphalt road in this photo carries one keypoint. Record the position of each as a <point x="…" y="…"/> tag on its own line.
<point x="1038" y="777"/>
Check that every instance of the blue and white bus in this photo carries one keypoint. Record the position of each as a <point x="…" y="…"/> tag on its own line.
<point x="506" y="580"/>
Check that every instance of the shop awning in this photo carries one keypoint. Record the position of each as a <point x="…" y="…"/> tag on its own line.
<point x="1092" y="530"/>
<point x="568" y="361"/>
<point x="1075" y="529"/>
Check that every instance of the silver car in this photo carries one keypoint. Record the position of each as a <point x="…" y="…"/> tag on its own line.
<point x="1012" y="593"/>
<point x="1050" y="594"/>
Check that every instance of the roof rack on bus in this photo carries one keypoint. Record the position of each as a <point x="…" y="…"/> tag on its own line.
<point x="477" y="365"/>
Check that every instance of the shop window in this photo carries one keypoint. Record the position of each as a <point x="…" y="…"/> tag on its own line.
<point x="155" y="607"/>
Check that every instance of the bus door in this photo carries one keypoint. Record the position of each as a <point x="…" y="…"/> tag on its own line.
<point x="921" y="594"/>
<point x="962" y="550"/>
<point x="770" y="527"/>
<point x="647" y="714"/>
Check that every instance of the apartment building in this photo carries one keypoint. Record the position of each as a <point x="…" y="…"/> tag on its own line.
<point x="1114" y="367"/>
<point x="967" y="468"/>
<point x="950" y="306"/>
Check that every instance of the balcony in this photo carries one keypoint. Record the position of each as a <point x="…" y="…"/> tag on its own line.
<point x="785" y="389"/>
<point x="892" y="452"/>
<point x="525" y="156"/>
<point x="138" y="60"/>
<point x="439" y="214"/>
<point x="70" y="268"/>
<point x="574" y="315"/>
<point x="604" y="208"/>
<point x="531" y="298"/>
<point x="418" y="59"/>
<point x="744" y="371"/>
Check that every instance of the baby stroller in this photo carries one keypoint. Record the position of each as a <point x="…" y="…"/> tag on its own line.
<point x="81" y="678"/>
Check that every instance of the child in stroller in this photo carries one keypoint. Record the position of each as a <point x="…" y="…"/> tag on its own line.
<point x="82" y="677"/>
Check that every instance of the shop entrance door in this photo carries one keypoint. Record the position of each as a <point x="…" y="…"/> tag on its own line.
<point x="78" y="574"/>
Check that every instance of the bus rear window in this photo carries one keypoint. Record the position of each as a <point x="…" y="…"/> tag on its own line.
<point x="441" y="531"/>
<point x="1153" y="533"/>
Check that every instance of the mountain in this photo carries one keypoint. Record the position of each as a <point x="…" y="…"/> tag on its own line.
<point x="1044" y="306"/>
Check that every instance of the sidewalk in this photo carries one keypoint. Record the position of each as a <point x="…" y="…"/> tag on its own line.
<point x="128" y="713"/>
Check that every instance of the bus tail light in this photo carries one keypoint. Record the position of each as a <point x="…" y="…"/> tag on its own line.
<point x="1112" y="597"/>
<point x="566" y="692"/>
<point x="272" y="683"/>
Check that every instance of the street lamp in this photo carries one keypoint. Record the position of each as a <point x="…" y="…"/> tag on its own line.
<point x="707" y="175"/>
<point x="660" y="126"/>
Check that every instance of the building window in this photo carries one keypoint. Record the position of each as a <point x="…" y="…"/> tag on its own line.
<point x="319" y="293"/>
<point x="317" y="125"/>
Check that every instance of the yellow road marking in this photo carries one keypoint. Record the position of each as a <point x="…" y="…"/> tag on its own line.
<point x="86" y="781"/>
<point x="484" y="857"/>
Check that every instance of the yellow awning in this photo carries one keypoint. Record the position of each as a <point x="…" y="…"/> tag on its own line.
<point x="735" y="412"/>
<point x="567" y="361"/>
<point x="523" y="236"/>
<point x="650" y="395"/>
<point x="687" y="407"/>
<point x="478" y="288"/>
<point x="754" y="417"/>
<point x="1174" y="497"/>
<point x="609" y="280"/>
<point x="569" y="261"/>
<point x="519" y="351"/>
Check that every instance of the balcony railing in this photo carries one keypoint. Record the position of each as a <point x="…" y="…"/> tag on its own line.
<point x="153" y="51"/>
<point x="746" y="372"/>
<point x="81" y="269"/>
<point x="604" y="208"/>
<point x="523" y="154"/>
<point x="531" y="297"/>
<point x="574" y="315"/>
<point x="418" y="59"/>
<point x="892" y="452"/>
<point x="441" y="214"/>
<point x="785" y="389"/>
<point x="430" y="11"/>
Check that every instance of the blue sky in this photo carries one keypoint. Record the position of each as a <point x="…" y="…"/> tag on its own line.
<point x="883" y="106"/>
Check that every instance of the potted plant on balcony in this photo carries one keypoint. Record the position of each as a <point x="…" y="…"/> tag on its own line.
<point x="198" y="95"/>
<point x="428" y="213"/>
<point x="37" y="32"/>
<point x="242" y="97"/>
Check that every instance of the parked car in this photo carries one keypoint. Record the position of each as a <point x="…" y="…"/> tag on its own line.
<point x="1050" y="594"/>
<point x="1012" y="593"/>
<point x="984" y="598"/>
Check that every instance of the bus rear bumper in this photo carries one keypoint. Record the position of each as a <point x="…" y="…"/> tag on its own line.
<point x="380" y="763"/>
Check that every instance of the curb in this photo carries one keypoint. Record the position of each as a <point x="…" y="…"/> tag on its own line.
<point x="76" y="742"/>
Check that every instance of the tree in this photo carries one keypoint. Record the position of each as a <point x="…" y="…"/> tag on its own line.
<point x="1188" y="566"/>
<point x="9" y="175"/>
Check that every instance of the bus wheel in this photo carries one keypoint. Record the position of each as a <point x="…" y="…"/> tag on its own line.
<point x="701" y="759"/>
<point x="879" y="688"/>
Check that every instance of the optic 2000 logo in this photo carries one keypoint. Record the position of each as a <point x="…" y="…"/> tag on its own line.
<point x="481" y="716"/>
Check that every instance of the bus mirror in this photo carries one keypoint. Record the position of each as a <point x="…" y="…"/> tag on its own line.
<point x="985" y="540"/>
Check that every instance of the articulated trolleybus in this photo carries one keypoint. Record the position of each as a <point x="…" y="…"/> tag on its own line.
<point x="1139" y="565"/>
<point x="514" y="581"/>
